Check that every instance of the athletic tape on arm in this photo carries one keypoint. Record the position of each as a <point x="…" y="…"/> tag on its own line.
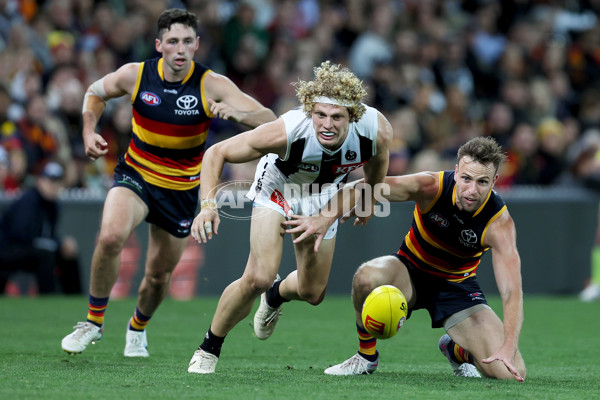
<point x="95" y="89"/>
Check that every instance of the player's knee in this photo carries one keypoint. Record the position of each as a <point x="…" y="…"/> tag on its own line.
<point x="362" y="284"/>
<point x="111" y="242"/>
<point x="312" y="296"/>
<point x="158" y="280"/>
<point x="257" y="283"/>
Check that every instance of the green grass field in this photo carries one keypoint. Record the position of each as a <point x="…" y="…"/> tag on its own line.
<point x="560" y="342"/>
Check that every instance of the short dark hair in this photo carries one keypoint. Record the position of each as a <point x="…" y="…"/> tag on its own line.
<point x="484" y="150"/>
<point x="176" y="16"/>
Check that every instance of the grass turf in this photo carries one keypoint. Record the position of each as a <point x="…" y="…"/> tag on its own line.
<point x="560" y="343"/>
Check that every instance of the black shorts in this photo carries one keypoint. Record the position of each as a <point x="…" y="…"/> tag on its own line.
<point x="441" y="297"/>
<point x="171" y="210"/>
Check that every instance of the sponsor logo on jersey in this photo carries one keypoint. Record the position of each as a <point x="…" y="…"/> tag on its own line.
<point x="344" y="169"/>
<point x="468" y="238"/>
<point x="172" y="91"/>
<point x="308" y="167"/>
<point x="438" y="220"/>
<point x="150" y="98"/>
<point x="187" y="105"/>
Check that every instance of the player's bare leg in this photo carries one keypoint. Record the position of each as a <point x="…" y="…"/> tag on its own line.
<point x="237" y="300"/>
<point x="123" y="211"/>
<point x="309" y="281"/>
<point x="164" y="252"/>
<point x="481" y="335"/>
<point x="386" y="270"/>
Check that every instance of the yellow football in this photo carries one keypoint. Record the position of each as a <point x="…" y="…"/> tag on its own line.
<point x="384" y="311"/>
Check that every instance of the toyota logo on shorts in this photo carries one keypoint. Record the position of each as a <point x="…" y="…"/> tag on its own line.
<point x="187" y="102"/>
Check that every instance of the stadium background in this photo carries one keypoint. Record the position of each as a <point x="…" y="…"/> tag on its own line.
<point x="524" y="72"/>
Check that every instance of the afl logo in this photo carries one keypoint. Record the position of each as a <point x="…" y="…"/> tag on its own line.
<point x="308" y="167"/>
<point x="187" y="102"/>
<point x="438" y="220"/>
<point x="150" y="98"/>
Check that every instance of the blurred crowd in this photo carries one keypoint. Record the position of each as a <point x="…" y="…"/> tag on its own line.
<point x="525" y="72"/>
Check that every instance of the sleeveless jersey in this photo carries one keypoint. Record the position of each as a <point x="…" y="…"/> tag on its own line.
<point x="445" y="241"/>
<point x="306" y="161"/>
<point x="169" y="126"/>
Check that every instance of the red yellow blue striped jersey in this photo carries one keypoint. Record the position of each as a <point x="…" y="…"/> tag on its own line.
<point x="445" y="241"/>
<point x="169" y="126"/>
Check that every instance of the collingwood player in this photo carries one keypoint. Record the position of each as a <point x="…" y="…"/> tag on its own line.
<point x="314" y="146"/>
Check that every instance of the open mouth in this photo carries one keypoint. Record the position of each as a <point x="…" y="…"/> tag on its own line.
<point x="180" y="61"/>
<point x="327" y="135"/>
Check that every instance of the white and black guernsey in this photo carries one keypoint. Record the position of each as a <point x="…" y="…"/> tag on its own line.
<point x="307" y="162"/>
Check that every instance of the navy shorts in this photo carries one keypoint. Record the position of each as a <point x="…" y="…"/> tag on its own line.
<point x="441" y="297"/>
<point x="171" y="210"/>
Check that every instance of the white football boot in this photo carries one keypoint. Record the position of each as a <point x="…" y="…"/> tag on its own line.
<point x="266" y="317"/>
<point x="84" y="334"/>
<point x="203" y="362"/>
<point x="355" y="365"/>
<point x="136" y="344"/>
<point x="465" y="369"/>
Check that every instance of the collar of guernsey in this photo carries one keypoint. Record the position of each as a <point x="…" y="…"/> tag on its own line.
<point x="169" y="126"/>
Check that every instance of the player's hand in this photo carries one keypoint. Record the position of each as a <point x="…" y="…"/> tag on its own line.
<point x="95" y="145"/>
<point x="361" y="212"/>
<point x="206" y="224"/>
<point x="501" y="356"/>
<point x="224" y="111"/>
<point x="310" y="227"/>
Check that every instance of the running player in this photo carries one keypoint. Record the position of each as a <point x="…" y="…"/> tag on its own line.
<point x="156" y="180"/>
<point x="306" y="154"/>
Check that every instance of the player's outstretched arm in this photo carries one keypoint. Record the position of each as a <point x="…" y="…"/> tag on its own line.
<point x="501" y="237"/>
<point x="247" y="146"/>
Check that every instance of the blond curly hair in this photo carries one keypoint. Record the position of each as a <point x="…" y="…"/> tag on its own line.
<point x="336" y="82"/>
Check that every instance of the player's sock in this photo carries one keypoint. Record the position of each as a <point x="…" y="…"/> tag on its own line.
<point x="138" y="321"/>
<point x="458" y="354"/>
<point x="274" y="298"/>
<point x="367" y="344"/>
<point x="212" y="344"/>
<point x="96" y="309"/>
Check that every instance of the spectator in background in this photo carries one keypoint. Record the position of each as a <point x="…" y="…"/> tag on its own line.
<point x="521" y="166"/>
<point x="29" y="239"/>
<point x="373" y="45"/>
<point x="552" y="150"/>
<point x="14" y="159"/>
<point x="499" y="122"/>
<point x="34" y="138"/>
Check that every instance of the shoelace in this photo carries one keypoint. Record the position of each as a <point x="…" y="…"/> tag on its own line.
<point x="272" y="316"/>
<point x="355" y="365"/>
<point x="206" y="360"/>
<point x="137" y="340"/>
<point x="82" y="329"/>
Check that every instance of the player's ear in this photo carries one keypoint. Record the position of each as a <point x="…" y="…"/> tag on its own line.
<point x="495" y="179"/>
